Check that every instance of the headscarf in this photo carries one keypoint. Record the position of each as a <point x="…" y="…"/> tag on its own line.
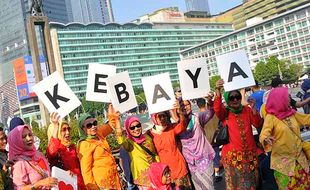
<point x="127" y="124"/>
<point x="16" y="144"/>
<point x="15" y="121"/>
<point x="305" y="86"/>
<point x="82" y="133"/>
<point x="155" y="174"/>
<point x="226" y="98"/>
<point x="278" y="103"/>
<point x="50" y="132"/>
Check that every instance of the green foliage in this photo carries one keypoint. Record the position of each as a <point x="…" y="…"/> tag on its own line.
<point x="93" y="108"/>
<point x="111" y="138"/>
<point x="264" y="72"/>
<point x="295" y="71"/>
<point x="2" y="125"/>
<point x="41" y="133"/>
<point x="213" y="80"/>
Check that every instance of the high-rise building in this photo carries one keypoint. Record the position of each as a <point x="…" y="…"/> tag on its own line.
<point x="197" y="5"/>
<point x="262" y="8"/>
<point x="142" y="49"/>
<point x="87" y="11"/>
<point x="286" y="36"/>
<point x="14" y="41"/>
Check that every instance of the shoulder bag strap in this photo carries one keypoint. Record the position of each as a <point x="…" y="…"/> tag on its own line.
<point x="39" y="170"/>
<point x="147" y="150"/>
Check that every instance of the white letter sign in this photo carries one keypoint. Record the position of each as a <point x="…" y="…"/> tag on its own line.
<point x="121" y="92"/>
<point x="56" y="95"/>
<point x="158" y="92"/>
<point x="235" y="70"/>
<point x="194" y="78"/>
<point x="97" y="90"/>
<point x="65" y="181"/>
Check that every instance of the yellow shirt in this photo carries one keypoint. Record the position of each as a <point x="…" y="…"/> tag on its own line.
<point x="287" y="147"/>
<point x="140" y="159"/>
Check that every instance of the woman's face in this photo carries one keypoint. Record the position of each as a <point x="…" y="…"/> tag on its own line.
<point x="3" y="140"/>
<point x="187" y="106"/>
<point x="27" y="139"/>
<point x="65" y="133"/>
<point x="90" y="127"/>
<point x="135" y="129"/>
<point x="162" y="119"/>
<point x="234" y="100"/>
<point x="166" y="178"/>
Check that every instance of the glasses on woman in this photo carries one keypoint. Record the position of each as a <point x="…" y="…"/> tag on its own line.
<point x="135" y="126"/>
<point x="64" y="129"/>
<point x="236" y="97"/>
<point x="90" y="125"/>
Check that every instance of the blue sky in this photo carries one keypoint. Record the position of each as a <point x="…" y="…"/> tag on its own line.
<point x="128" y="10"/>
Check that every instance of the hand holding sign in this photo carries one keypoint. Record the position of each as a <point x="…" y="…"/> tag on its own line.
<point x="235" y="69"/>
<point x="56" y="95"/>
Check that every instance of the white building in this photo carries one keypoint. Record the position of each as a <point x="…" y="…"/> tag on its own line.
<point x="286" y="36"/>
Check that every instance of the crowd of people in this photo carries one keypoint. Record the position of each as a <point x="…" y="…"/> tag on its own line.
<point x="180" y="151"/>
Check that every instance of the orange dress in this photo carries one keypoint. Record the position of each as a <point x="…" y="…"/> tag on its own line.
<point x="97" y="162"/>
<point x="167" y="149"/>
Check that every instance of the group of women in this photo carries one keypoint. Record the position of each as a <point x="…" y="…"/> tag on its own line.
<point x="171" y="155"/>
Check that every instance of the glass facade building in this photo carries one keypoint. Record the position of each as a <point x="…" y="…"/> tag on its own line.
<point x="197" y="5"/>
<point x="286" y="36"/>
<point x="143" y="50"/>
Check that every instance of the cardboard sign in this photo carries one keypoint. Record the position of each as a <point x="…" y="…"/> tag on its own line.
<point x="235" y="70"/>
<point x="65" y="181"/>
<point x="194" y="78"/>
<point x="56" y="95"/>
<point x="158" y="92"/>
<point x="97" y="89"/>
<point x="121" y="92"/>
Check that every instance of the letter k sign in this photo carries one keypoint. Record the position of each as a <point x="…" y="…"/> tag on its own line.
<point x="56" y="95"/>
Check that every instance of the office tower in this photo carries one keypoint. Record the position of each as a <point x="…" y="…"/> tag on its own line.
<point x="197" y="5"/>
<point x="14" y="44"/>
<point x="87" y="11"/>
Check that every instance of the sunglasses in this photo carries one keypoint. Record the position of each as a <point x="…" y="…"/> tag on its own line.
<point x="66" y="129"/>
<point x="232" y="98"/>
<point x="90" y="125"/>
<point x="135" y="126"/>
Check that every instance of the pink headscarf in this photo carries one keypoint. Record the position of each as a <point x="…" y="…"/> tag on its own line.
<point x="16" y="145"/>
<point x="278" y="103"/>
<point x="127" y="124"/>
<point x="155" y="173"/>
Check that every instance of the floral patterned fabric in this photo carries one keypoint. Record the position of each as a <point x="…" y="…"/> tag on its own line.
<point x="299" y="181"/>
<point x="237" y="179"/>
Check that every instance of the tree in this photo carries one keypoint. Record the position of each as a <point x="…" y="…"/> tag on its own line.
<point x="2" y="125"/>
<point x="264" y="72"/>
<point x="294" y="71"/>
<point x="213" y="80"/>
<point x="93" y="108"/>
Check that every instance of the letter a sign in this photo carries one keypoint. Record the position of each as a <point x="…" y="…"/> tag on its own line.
<point x="235" y="70"/>
<point x="158" y="92"/>
<point x="56" y="95"/>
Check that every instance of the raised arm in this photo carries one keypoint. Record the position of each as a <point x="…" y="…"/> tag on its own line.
<point x="54" y="144"/>
<point x="218" y="106"/>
